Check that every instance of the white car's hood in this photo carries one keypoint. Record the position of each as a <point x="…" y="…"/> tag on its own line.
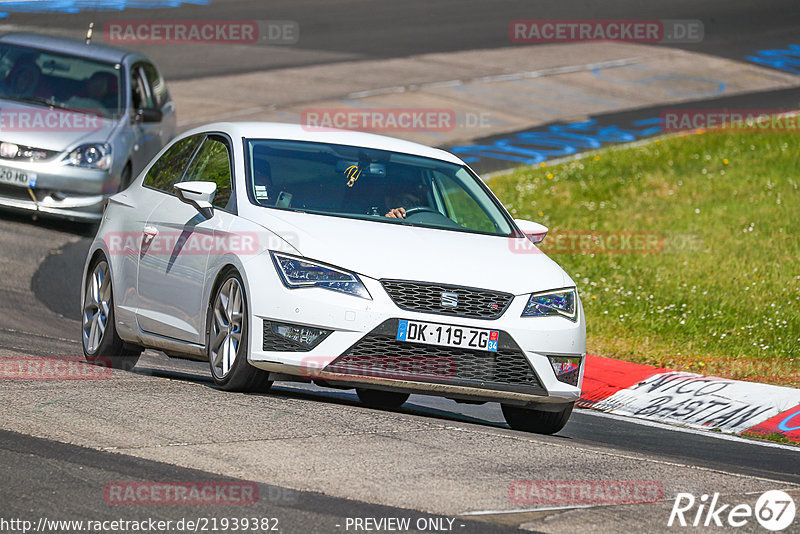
<point x="384" y="250"/>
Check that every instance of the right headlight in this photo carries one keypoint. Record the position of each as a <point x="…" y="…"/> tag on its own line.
<point x="91" y="156"/>
<point x="561" y="302"/>
<point x="297" y="272"/>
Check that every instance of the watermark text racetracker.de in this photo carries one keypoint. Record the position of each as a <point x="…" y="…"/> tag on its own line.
<point x="52" y="368"/>
<point x="387" y="367"/>
<point x="390" y="119"/>
<point x="181" y="493"/>
<point x="16" y="120"/>
<point x="267" y="32"/>
<point x="584" y="492"/>
<point x="609" y="242"/>
<point x="734" y="120"/>
<point x="627" y="30"/>
<point x="196" y="242"/>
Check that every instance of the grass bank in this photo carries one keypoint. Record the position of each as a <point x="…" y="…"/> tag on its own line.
<point x="686" y="251"/>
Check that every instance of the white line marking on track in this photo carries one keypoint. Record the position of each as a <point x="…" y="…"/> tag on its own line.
<point x="568" y="69"/>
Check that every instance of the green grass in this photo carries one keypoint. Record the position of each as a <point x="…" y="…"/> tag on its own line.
<point x="775" y="436"/>
<point x="723" y="294"/>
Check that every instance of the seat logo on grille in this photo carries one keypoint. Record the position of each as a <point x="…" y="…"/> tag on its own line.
<point x="450" y="300"/>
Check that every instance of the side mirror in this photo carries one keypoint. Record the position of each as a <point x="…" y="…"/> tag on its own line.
<point x="148" y="115"/>
<point x="532" y="230"/>
<point x="197" y="194"/>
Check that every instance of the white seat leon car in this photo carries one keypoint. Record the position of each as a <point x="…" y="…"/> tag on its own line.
<point x="347" y="259"/>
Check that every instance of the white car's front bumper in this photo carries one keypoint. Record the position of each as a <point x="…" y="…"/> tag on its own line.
<point x="519" y="373"/>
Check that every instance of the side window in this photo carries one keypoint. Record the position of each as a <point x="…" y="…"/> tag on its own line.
<point x="213" y="164"/>
<point x="158" y="87"/>
<point x="462" y="207"/>
<point x="167" y="171"/>
<point x="140" y="91"/>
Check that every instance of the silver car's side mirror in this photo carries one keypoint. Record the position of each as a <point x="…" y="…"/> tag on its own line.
<point x="148" y="115"/>
<point x="532" y="230"/>
<point x="197" y="194"/>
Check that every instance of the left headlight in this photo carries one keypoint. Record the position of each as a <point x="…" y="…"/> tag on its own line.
<point x="297" y="273"/>
<point x="557" y="302"/>
<point x="91" y="155"/>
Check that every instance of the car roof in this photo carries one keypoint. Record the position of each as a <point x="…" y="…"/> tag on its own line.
<point x="67" y="46"/>
<point x="297" y="132"/>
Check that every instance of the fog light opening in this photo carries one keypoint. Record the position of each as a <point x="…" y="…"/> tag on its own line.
<point x="302" y="335"/>
<point x="566" y="368"/>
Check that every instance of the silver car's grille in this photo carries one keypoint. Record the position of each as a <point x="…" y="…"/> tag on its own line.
<point x="19" y="193"/>
<point x="445" y="299"/>
<point x="380" y="355"/>
<point x="25" y="153"/>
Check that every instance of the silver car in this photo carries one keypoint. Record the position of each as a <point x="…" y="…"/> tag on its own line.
<point x="77" y="121"/>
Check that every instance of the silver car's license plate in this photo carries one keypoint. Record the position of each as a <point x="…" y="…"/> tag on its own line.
<point x="17" y="177"/>
<point x="448" y="335"/>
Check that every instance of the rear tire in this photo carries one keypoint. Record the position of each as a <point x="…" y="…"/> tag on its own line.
<point x="387" y="400"/>
<point x="537" y="421"/>
<point x="101" y="342"/>
<point x="226" y="338"/>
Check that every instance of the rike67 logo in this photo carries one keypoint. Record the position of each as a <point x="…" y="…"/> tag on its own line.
<point x="774" y="510"/>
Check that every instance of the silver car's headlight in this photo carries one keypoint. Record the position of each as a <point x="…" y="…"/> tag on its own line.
<point x="557" y="302"/>
<point x="299" y="272"/>
<point x="90" y="155"/>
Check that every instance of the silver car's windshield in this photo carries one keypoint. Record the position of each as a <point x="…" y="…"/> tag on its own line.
<point x="50" y="79"/>
<point x="363" y="183"/>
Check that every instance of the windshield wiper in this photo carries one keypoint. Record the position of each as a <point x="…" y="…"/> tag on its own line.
<point x="36" y="100"/>
<point x="50" y="102"/>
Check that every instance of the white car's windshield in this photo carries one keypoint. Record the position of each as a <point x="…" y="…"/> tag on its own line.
<point x="365" y="183"/>
<point x="57" y="80"/>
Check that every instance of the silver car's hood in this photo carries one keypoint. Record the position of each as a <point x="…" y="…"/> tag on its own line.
<point x="23" y="124"/>
<point x="393" y="251"/>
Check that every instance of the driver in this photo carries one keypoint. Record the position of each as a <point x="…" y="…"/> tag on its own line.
<point x="403" y="201"/>
<point x="98" y="88"/>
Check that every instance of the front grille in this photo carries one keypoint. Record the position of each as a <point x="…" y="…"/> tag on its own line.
<point x="380" y="355"/>
<point x="29" y="153"/>
<point x="15" y="192"/>
<point x="427" y="298"/>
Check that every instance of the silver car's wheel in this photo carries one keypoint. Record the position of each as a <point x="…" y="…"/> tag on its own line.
<point x="226" y="341"/>
<point x="228" y="325"/>
<point x="101" y="343"/>
<point x="96" y="306"/>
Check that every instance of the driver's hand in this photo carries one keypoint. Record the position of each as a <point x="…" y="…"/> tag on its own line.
<point x="397" y="213"/>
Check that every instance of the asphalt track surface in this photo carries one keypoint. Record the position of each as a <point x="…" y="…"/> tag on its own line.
<point x="362" y="29"/>
<point x="41" y="261"/>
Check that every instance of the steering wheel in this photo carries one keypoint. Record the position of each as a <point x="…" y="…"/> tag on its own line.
<point x="410" y="212"/>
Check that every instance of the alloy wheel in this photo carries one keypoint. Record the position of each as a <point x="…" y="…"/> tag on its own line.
<point x="97" y="304"/>
<point x="227" y="327"/>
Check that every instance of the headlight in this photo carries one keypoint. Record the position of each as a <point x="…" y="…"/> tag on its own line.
<point x="296" y="273"/>
<point x="92" y="156"/>
<point x="559" y="302"/>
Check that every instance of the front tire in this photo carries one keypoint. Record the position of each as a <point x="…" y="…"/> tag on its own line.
<point x="387" y="400"/>
<point x="226" y="338"/>
<point x="101" y="342"/>
<point x="537" y="421"/>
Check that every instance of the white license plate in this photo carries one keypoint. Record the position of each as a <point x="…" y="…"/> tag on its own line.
<point x="17" y="177"/>
<point x="448" y="335"/>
